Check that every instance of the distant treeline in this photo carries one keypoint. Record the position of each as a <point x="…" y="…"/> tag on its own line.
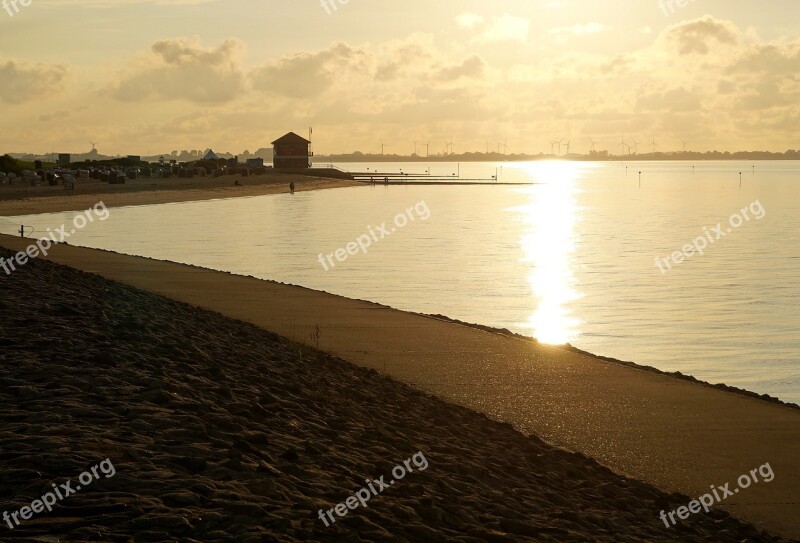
<point x="113" y="163"/>
<point x="183" y="156"/>
<point x="9" y="164"/>
<point x="499" y="157"/>
<point x="133" y="163"/>
<point x="13" y="165"/>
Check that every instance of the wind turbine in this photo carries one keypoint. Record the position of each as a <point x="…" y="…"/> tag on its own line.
<point x="451" y="145"/>
<point x="684" y="145"/>
<point x="428" y="148"/>
<point x="415" y="147"/>
<point x="654" y="145"/>
<point x="552" y="146"/>
<point x="567" y="144"/>
<point x="622" y="145"/>
<point x="593" y="144"/>
<point x="505" y="147"/>
<point x="446" y="147"/>
<point x="382" y="147"/>
<point x="635" y="147"/>
<point x="94" y="146"/>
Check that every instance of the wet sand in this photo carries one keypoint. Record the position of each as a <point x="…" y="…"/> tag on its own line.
<point x="222" y="431"/>
<point x="675" y="434"/>
<point x="19" y="200"/>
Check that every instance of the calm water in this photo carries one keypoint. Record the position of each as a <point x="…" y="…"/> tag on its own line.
<point x="571" y="259"/>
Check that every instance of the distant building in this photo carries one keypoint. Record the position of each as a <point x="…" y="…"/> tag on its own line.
<point x="264" y="153"/>
<point x="211" y="155"/>
<point x="291" y="152"/>
<point x="135" y="157"/>
<point x="255" y="162"/>
<point x="64" y="158"/>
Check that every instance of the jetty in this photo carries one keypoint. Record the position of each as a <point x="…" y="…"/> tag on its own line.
<point x="408" y="178"/>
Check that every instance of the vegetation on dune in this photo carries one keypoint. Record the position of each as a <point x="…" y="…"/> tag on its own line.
<point x="113" y="162"/>
<point x="9" y="164"/>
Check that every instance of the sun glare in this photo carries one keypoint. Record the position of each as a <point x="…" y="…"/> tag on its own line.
<point x="548" y="246"/>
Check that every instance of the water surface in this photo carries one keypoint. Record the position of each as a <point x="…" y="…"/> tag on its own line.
<point x="570" y="259"/>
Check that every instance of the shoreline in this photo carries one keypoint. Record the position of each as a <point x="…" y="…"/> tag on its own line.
<point x="219" y="430"/>
<point x="17" y="201"/>
<point x="634" y="365"/>
<point x="194" y="190"/>
<point x="495" y="330"/>
<point x="634" y="422"/>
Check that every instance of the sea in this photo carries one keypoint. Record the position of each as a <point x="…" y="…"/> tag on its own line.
<point x="684" y="266"/>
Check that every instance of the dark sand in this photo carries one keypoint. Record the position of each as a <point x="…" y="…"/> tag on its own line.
<point x="675" y="434"/>
<point x="220" y="431"/>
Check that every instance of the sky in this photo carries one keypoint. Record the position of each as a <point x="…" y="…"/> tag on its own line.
<point x="151" y="76"/>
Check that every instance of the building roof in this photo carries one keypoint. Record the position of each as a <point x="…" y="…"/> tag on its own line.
<point x="211" y="155"/>
<point x="291" y="137"/>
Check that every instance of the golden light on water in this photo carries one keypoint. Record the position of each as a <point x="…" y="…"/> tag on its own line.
<point x="548" y="245"/>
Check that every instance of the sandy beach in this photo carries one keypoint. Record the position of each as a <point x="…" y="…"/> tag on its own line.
<point x="561" y="306"/>
<point x="221" y="431"/>
<point x="632" y="421"/>
<point x="19" y="200"/>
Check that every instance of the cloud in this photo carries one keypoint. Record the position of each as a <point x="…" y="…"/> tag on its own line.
<point x="700" y="35"/>
<point x="21" y="82"/>
<point x="181" y="69"/>
<point x="305" y="75"/>
<point x="703" y="80"/>
<point x="117" y="3"/>
<point x="472" y="67"/>
<point x="506" y="28"/>
<point x="198" y="122"/>
<point x="469" y="20"/>
<point x="404" y="57"/>
<point x="674" y="100"/>
<point x="579" y="30"/>
<point x="497" y="29"/>
<point x="62" y="115"/>
<point x="726" y="87"/>
<point x="768" y="58"/>
<point x="563" y="32"/>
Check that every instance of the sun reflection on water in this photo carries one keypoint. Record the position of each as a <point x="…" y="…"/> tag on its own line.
<point x="548" y="245"/>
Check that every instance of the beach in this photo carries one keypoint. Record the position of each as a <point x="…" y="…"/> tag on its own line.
<point x="221" y="431"/>
<point x="19" y="200"/>
<point x="450" y="272"/>
<point x="182" y="358"/>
